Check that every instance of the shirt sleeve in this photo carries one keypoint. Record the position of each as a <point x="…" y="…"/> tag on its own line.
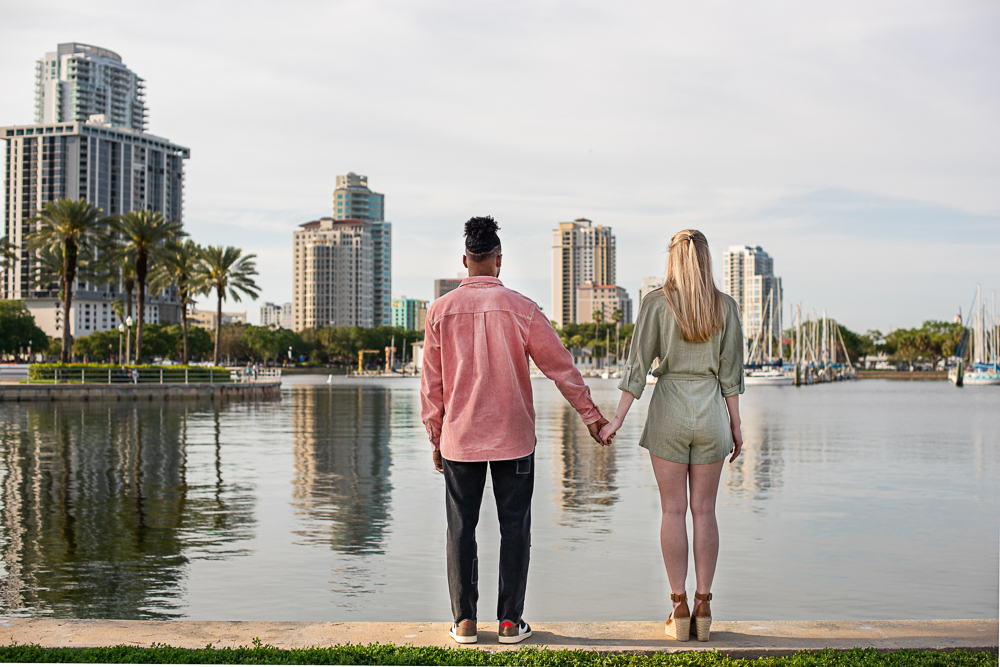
<point x="556" y="362"/>
<point x="731" y="353"/>
<point x="644" y="349"/>
<point x="432" y="386"/>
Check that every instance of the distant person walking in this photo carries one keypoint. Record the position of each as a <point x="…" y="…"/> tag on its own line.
<point x="693" y="421"/>
<point x="477" y="406"/>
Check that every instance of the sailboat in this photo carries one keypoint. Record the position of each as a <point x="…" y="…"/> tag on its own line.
<point x="770" y="373"/>
<point x="985" y="366"/>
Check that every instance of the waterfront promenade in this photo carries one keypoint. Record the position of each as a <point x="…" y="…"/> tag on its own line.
<point x="742" y="639"/>
<point x="21" y="393"/>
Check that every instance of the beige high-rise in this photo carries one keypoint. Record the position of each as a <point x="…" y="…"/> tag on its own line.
<point x="748" y="277"/>
<point x="332" y="274"/>
<point x="581" y="252"/>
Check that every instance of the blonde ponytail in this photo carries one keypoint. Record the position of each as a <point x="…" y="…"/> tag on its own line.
<point x="690" y="288"/>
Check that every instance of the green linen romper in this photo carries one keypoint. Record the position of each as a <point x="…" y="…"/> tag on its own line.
<point x="687" y="421"/>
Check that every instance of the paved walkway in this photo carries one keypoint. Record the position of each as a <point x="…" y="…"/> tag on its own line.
<point x="738" y="639"/>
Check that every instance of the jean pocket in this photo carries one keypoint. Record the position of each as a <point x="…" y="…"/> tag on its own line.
<point x="524" y="466"/>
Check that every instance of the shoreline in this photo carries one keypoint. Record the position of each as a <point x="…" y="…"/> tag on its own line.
<point x="170" y="391"/>
<point x="738" y="639"/>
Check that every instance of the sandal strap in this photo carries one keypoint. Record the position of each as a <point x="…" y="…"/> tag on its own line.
<point x="706" y="597"/>
<point x="674" y="597"/>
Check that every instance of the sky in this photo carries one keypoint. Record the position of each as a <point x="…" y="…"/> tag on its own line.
<point x="857" y="143"/>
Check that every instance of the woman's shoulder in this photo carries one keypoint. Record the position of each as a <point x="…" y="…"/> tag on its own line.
<point x="654" y="302"/>
<point x="729" y="304"/>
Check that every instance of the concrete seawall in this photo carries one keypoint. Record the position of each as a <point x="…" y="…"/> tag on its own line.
<point x="902" y="375"/>
<point x="741" y="639"/>
<point x="19" y="393"/>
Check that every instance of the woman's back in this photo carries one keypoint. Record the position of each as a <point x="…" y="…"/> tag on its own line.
<point x="658" y="335"/>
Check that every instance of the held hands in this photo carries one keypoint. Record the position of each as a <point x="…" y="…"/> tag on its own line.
<point x="595" y="429"/>
<point x="607" y="433"/>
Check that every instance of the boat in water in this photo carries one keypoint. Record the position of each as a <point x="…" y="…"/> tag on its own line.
<point x="769" y="376"/>
<point x="984" y="333"/>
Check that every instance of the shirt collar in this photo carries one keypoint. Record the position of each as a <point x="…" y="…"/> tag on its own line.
<point x="481" y="281"/>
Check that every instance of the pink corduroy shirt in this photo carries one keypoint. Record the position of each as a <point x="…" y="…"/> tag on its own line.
<point x="475" y="388"/>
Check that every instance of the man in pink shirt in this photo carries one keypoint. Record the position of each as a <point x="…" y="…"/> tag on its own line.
<point x="477" y="406"/>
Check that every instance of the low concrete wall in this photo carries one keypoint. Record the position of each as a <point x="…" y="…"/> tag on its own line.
<point x="138" y="392"/>
<point x="737" y="639"/>
<point x="902" y="375"/>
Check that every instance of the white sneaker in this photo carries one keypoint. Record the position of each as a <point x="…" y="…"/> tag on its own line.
<point x="464" y="632"/>
<point x="511" y="633"/>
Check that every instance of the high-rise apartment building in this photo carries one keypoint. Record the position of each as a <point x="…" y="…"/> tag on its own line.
<point x="77" y="81"/>
<point x="605" y="299"/>
<point x="277" y="315"/>
<point x="116" y="168"/>
<point x="411" y="314"/>
<point x="353" y="200"/>
<point x="581" y="252"/>
<point x="332" y="274"/>
<point x="748" y="277"/>
<point x="444" y="285"/>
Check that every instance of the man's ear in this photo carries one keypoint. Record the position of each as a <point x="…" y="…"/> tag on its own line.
<point x="499" y="260"/>
<point x="465" y="261"/>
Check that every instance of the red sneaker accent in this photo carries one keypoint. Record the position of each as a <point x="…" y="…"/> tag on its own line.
<point x="507" y="624"/>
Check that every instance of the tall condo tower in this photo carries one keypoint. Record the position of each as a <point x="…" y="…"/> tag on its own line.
<point x="581" y="253"/>
<point x="116" y="168"/>
<point x="77" y="81"/>
<point x="748" y="277"/>
<point x="352" y="200"/>
<point x="332" y="274"/>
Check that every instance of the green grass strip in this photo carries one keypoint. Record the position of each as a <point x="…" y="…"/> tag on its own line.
<point x="389" y="654"/>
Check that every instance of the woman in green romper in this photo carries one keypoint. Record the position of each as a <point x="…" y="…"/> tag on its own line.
<point x="693" y="332"/>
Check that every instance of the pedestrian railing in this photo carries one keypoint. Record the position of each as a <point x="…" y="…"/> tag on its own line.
<point x="13" y="372"/>
<point x="241" y="374"/>
<point x="129" y="375"/>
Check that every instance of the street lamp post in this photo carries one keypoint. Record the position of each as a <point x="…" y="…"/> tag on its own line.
<point x="128" y="339"/>
<point x="121" y="330"/>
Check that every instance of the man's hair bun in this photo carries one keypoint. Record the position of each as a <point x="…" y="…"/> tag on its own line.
<point x="481" y="235"/>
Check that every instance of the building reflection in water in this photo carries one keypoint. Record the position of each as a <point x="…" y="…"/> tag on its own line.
<point x="757" y="470"/>
<point x="342" y="460"/>
<point x="96" y="510"/>
<point x="584" y="472"/>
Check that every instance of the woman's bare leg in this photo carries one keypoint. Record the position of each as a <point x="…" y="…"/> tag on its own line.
<point x="704" y="480"/>
<point x="671" y="478"/>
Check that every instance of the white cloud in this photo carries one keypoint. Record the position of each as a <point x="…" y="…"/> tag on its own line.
<point x="645" y="116"/>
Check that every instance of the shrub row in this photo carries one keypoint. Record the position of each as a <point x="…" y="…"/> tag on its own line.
<point x="147" y="373"/>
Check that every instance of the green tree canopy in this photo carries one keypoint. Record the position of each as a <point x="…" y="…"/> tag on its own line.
<point x="18" y="330"/>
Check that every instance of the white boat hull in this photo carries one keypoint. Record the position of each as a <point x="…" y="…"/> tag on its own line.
<point x="981" y="379"/>
<point x="769" y="380"/>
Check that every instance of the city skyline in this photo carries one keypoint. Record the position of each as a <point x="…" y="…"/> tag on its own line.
<point x="854" y="143"/>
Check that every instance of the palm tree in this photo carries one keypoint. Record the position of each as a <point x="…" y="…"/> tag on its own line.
<point x="617" y="316"/>
<point x="69" y="227"/>
<point x="116" y="265"/>
<point x="8" y="253"/>
<point x="179" y="266"/>
<point x="222" y="269"/>
<point x="144" y="233"/>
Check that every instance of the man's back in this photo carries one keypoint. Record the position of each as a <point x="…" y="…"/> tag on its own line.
<point x="476" y="386"/>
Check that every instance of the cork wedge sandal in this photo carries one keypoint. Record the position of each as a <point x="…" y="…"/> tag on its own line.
<point x="678" y="626"/>
<point x="702" y="616"/>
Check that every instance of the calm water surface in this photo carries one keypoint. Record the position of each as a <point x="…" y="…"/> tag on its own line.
<point x="863" y="500"/>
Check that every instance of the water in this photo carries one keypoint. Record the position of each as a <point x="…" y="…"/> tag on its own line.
<point x="862" y="500"/>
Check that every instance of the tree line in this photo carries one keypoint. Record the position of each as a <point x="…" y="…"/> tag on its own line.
<point x="140" y="251"/>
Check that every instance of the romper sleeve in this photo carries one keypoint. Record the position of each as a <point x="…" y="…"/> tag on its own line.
<point x="731" y="352"/>
<point x="644" y="349"/>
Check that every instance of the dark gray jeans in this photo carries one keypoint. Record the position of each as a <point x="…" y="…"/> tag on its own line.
<point x="513" y="483"/>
